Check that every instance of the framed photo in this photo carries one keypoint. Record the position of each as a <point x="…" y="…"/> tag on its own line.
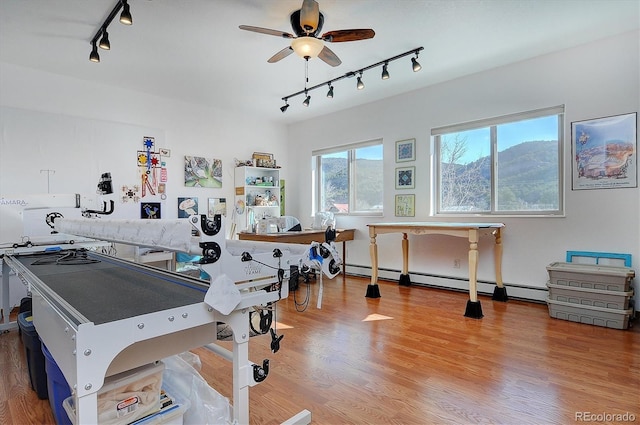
<point x="406" y="150"/>
<point x="604" y="152"/>
<point x="405" y="205"/>
<point x="405" y="178"/>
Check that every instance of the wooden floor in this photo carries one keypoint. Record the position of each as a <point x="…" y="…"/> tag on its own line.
<point x="410" y="357"/>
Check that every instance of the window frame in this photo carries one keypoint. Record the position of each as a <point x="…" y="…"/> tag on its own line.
<point x="492" y="124"/>
<point x="316" y="158"/>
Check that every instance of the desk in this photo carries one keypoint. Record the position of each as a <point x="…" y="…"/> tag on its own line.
<point x="471" y="231"/>
<point x="302" y="237"/>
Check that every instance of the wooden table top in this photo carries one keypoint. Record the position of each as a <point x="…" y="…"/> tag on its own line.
<point x="301" y="237"/>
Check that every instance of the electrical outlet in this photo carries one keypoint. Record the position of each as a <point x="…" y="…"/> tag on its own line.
<point x="456" y="263"/>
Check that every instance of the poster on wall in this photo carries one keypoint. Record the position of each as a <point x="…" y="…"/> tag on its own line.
<point x="217" y="206"/>
<point x="202" y="172"/>
<point x="187" y="207"/>
<point x="150" y="210"/>
<point x="604" y="152"/>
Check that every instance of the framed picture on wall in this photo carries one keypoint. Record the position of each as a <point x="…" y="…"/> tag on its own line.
<point x="217" y="206"/>
<point x="406" y="150"/>
<point x="405" y="178"/>
<point x="405" y="205"/>
<point x="605" y="152"/>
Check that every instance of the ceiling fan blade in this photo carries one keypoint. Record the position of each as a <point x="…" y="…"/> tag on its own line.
<point x="277" y="33"/>
<point x="281" y="55"/>
<point x="309" y="15"/>
<point x="329" y="57"/>
<point x="348" y="35"/>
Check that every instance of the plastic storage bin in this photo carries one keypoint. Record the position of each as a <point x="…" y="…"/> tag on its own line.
<point x="593" y="297"/>
<point x="608" y="317"/>
<point x="58" y="388"/>
<point x="590" y="276"/>
<point x="127" y="396"/>
<point x="35" y="358"/>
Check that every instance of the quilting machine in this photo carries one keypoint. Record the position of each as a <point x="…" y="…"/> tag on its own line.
<point x="100" y="315"/>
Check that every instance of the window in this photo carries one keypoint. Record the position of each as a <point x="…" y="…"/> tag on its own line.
<point x="505" y="165"/>
<point x="349" y="179"/>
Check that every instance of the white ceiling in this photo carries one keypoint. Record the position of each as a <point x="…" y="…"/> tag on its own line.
<point x="193" y="50"/>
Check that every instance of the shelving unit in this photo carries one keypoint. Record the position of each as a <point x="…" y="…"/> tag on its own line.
<point x="257" y="195"/>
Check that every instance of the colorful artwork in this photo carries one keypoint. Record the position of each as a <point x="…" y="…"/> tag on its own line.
<point x="202" y="172"/>
<point x="405" y="178"/>
<point x="217" y="206"/>
<point x="187" y="207"/>
<point x="150" y="210"/>
<point x="605" y="152"/>
<point x="149" y="164"/>
<point x="405" y="150"/>
<point x="405" y="205"/>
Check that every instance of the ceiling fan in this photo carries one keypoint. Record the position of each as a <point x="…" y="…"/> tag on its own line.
<point x="307" y="24"/>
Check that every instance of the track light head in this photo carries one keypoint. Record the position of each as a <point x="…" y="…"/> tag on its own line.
<point x="285" y="106"/>
<point x="307" y="99"/>
<point x="385" y="72"/>
<point x="104" y="41"/>
<point x="360" y="84"/>
<point x="94" y="56"/>
<point x="415" y="64"/>
<point x="330" y="92"/>
<point x="125" y="16"/>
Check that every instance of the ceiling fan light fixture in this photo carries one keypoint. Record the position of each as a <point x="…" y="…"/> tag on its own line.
<point x="307" y="47"/>
<point x="94" y="56"/>
<point x="385" y="71"/>
<point x="125" y="16"/>
<point x="330" y="92"/>
<point x="104" y="41"/>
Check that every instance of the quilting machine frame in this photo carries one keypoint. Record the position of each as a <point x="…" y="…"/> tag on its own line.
<point x="88" y="351"/>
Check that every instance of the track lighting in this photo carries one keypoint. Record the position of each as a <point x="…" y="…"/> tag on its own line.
<point x="285" y="106"/>
<point x="330" y="92"/>
<point x="125" y="16"/>
<point x="385" y="72"/>
<point x="103" y="35"/>
<point x="415" y="64"/>
<point x="359" y="83"/>
<point x="104" y="41"/>
<point x="94" y="56"/>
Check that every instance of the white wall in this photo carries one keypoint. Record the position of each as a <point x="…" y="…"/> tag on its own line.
<point x="595" y="80"/>
<point x="45" y="121"/>
<point x="82" y="129"/>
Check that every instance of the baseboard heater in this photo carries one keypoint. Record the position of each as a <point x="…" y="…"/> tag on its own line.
<point x="514" y="290"/>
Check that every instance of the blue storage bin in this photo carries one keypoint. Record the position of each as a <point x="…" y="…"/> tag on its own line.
<point x="33" y="351"/>
<point x="58" y="388"/>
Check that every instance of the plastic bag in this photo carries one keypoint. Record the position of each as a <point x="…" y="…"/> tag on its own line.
<point x="207" y="405"/>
